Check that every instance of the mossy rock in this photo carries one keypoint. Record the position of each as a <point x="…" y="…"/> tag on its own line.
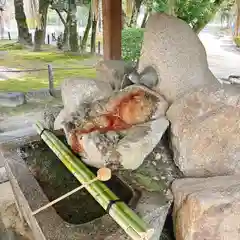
<point x="237" y="41"/>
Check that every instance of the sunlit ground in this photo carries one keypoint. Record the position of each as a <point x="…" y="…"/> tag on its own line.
<point x="13" y="56"/>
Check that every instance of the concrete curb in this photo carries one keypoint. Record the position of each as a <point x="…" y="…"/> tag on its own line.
<point x="14" y="99"/>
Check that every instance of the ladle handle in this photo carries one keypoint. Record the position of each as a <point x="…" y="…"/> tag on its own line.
<point x="63" y="196"/>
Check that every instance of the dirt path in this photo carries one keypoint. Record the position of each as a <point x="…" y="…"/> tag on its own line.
<point x="223" y="56"/>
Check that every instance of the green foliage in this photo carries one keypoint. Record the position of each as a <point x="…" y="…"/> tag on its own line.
<point x="47" y="57"/>
<point x="160" y="5"/>
<point x="227" y="5"/>
<point x="237" y="41"/>
<point x="132" y="39"/>
<point x="197" y="13"/>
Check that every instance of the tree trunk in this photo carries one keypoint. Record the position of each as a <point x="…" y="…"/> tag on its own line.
<point x="87" y="30"/>
<point x="66" y="31"/>
<point x="40" y="33"/>
<point x="135" y="13"/>
<point x="145" y="17"/>
<point x="73" y="34"/>
<point x="171" y="7"/>
<point x="24" y="37"/>
<point x="65" y="42"/>
<point x="132" y="16"/>
<point x="93" y="36"/>
<point x="236" y="32"/>
<point x="147" y="11"/>
<point x="237" y="23"/>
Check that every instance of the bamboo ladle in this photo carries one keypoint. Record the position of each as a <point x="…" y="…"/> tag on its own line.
<point x="103" y="174"/>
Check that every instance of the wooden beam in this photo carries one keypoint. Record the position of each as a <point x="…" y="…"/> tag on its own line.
<point x="112" y="29"/>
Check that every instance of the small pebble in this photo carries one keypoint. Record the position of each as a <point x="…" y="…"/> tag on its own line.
<point x="158" y="156"/>
<point x="156" y="178"/>
<point x="163" y="177"/>
<point x="154" y="163"/>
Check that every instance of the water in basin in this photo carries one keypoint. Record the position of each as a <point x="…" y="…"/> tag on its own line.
<point x="55" y="180"/>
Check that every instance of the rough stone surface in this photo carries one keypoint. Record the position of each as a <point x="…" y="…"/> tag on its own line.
<point x="76" y="92"/>
<point x="152" y="179"/>
<point x="205" y="131"/>
<point x="139" y="142"/>
<point x="58" y="122"/>
<point x="50" y="114"/>
<point x="130" y="151"/>
<point x="13" y="99"/>
<point x="113" y="71"/>
<point x="207" y="208"/>
<point x="175" y="51"/>
<point x="119" y="131"/>
<point x="11" y="225"/>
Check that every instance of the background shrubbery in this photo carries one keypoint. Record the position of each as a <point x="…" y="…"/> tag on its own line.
<point x="132" y="39"/>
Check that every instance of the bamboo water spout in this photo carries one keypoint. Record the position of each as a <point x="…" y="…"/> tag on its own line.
<point x="127" y="219"/>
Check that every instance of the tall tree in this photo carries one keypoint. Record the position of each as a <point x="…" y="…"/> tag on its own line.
<point x="73" y="33"/>
<point x="24" y="37"/>
<point x="226" y="13"/>
<point x="135" y="12"/>
<point x="95" y="16"/>
<point x="87" y="29"/>
<point x="70" y="36"/>
<point x="40" y="31"/>
<point x="237" y="23"/>
<point x="93" y="35"/>
<point x="148" y="9"/>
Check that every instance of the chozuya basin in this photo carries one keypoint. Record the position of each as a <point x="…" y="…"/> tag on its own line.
<point x="37" y="176"/>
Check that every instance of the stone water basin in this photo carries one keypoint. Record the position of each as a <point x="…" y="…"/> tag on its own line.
<point x="37" y="176"/>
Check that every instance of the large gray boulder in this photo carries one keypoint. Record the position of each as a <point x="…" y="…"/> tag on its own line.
<point x="205" y="131"/>
<point x="175" y="51"/>
<point x="114" y="72"/>
<point x="77" y="91"/>
<point x="130" y="151"/>
<point x="204" y="115"/>
<point x="207" y="208"/>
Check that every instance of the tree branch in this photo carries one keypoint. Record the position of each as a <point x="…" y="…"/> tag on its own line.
<point x="61" y="17"/>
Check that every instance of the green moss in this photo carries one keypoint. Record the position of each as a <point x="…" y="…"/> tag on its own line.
<point x="47" y="56"/>
<point x="237" y="41"/>
<point x="10" y="46"/>
<point x="25" y="59"/>
<point x="149" y="183"/>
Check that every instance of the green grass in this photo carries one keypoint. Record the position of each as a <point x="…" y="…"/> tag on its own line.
<point x="26" y="59"/>
<point x="39" y="81"/>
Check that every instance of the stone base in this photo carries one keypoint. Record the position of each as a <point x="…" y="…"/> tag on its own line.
<point x="12" y="99"/>
<point x="207" y="208"/>
<point x="153" y="204"/>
